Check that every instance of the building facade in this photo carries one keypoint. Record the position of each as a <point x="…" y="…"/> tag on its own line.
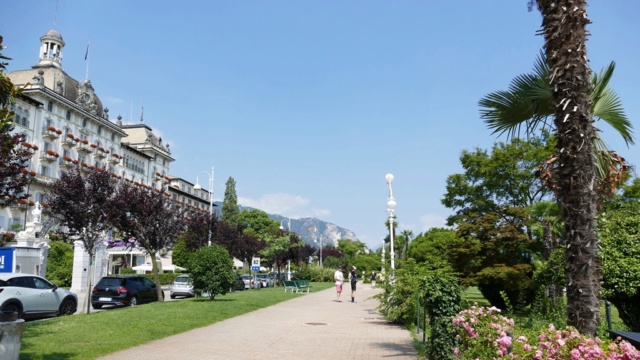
<point x="66" y="126"/>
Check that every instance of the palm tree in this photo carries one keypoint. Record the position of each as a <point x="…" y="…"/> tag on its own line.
<point x="528" y="104"/>
<point x="562" y="85"/>
<point x="406" y="235"/>
<point x="564" y="29"/>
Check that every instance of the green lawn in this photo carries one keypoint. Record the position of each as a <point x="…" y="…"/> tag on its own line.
<point x="84" y="336"/>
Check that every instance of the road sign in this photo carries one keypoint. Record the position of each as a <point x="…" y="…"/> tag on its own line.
<point x="255" y="264"/>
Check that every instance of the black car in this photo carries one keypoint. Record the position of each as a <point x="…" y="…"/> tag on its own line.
<point x="239" y="283"/>
<point x="123" y="291"/>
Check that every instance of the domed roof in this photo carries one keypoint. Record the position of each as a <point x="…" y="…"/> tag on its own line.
<point x="52" y="34"/>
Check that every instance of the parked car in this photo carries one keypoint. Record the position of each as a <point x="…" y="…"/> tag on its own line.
<point x="248" y="281"/>
<point x="33" y="296"/>
<point x="182" y="286"/>
<point x="239" y="282"/>
<point x="266" y="280"/>
<point x="123" y="291"/>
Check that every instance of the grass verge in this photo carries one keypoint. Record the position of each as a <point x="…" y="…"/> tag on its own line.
<point x="84" y="336"/>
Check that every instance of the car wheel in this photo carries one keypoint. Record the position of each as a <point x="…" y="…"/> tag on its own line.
<point x="172" y="296"/>
<point x="68" y="307"/>
<point x="133" y="301"/>
<point x="96" y="306"/>
<point x="13" y="307"/>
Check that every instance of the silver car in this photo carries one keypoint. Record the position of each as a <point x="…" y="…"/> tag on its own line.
<point x="32" y="296"/>
<point x="182" y="286"/>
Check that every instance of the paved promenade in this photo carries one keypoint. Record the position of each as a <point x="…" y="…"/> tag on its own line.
<point x="313" y="326"/>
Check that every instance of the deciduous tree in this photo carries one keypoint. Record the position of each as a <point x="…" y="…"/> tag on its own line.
<point x="14" y="158"/>
<point x="83" y="204"/>
<point x="151" y="218"/>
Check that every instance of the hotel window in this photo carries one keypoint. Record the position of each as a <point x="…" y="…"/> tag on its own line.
<point x="99" y="130"/>
<point x="84" y="123"/>
<point x="68" y="115"/>
<point x="50" y="106"/>
<point x="44" y="171"/>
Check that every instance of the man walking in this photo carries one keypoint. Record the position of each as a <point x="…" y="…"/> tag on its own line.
<point x="339" y="279"/>
<point x="353" y="276"/>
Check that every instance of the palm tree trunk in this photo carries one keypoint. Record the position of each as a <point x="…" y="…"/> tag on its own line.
<point x="564" y="29"/>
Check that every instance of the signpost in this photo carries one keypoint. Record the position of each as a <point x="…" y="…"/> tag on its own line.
<point x="255" y="266"/>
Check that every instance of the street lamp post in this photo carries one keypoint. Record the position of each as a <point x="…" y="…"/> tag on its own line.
<point x="314" y="230"/>
<point x="382" y="257"/>
<point x="289" y="230"/>
<point x="198" y="187"/>
<point x="288" y="224"/>
<point x="391" y="205"/>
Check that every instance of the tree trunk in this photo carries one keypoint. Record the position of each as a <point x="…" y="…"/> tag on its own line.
<point x="92" y="258"/>
<point x="564" y="29"/>
<point x="156" y="275"/>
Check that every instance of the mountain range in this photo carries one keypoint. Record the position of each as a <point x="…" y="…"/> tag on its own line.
<point x="325" y="233"/>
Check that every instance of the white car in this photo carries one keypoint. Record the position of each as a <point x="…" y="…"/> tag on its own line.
<point x="32" y="296"/>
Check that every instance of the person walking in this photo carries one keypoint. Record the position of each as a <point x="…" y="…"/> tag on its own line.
<point x="353" y="276"/>
<point x="339" y="279"/>
<point x="373" y="279"/>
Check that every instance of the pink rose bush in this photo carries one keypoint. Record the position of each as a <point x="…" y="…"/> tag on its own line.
<point x="485" y="334"/>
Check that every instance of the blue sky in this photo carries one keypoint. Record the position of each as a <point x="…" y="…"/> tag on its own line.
<point x="308" y="104"/>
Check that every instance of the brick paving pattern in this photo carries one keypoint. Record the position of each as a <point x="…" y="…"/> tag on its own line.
<point x="313" y="326"/>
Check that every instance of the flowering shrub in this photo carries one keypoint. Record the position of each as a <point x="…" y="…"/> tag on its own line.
<point x="6" y="237"/>
<point x="485" y="334"/>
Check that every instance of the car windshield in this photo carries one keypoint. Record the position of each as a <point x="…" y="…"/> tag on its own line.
<point x="182" y="279"/>
<point x="110" y="282"/>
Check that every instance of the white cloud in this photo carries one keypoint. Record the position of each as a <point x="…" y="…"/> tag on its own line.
<point x="293" y="206"/>
<point x="429" y="221"/>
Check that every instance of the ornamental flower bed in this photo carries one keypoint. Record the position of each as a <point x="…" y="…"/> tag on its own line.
<point x="485" y="334"/>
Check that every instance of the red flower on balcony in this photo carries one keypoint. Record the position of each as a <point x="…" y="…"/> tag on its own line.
<point x="52" y="153"/>
<point x="67" y="159"/>
<point x="32" y="173"/>
<point x="116" y="156"/>
<point x="93" y="146"/>
<point x="27" y="145"/>
<point x="75" y="162"/>
<point x="92" y="167"/>
<point x="83" y="164"/>
<point x="71" y="136"/>
<point x="85" y="141"/>
<point x="51" y="128"/>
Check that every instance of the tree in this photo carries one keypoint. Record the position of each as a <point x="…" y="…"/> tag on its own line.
<point x="618" y="230"/>
<point x="84" y="205"/>
<point x="564" y="29"/>
<point x="14" y="159"/>
<point x="230" y="208"/>
<point x="180" y="255"/>
<point x="499" y="178"/>
<point x="278" y="249"/>
<point x="60" y="263"/>
<point x="405" y="239"/>
<point x="211" y="269"/>
<point x="433" y="247"/>
<point x="151" y="218"/>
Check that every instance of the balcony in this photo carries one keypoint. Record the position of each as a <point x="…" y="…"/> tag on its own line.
<point x="51" y="133"/>
<point x="49" y="156"/>
<point x="114" y="159"/>
<point x="68" y="163"/>
<point x="84" y="147"/>
<point x="101" y="153"/>
<point x="70" y="141"/>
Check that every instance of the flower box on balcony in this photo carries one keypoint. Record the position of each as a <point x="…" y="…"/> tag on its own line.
<point x="51" y="133"/>
<point x="51" y="128"/>
<point x="85" y="141"/>
<point x="67" y="159"/>
<point x="117" y="156"/>
<point x="101" y="149"/>
<point x="52" y="153"/>
<point x="71" y="136"/>
<point x="93" y="146"/>
<point x="83" y="164"/>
